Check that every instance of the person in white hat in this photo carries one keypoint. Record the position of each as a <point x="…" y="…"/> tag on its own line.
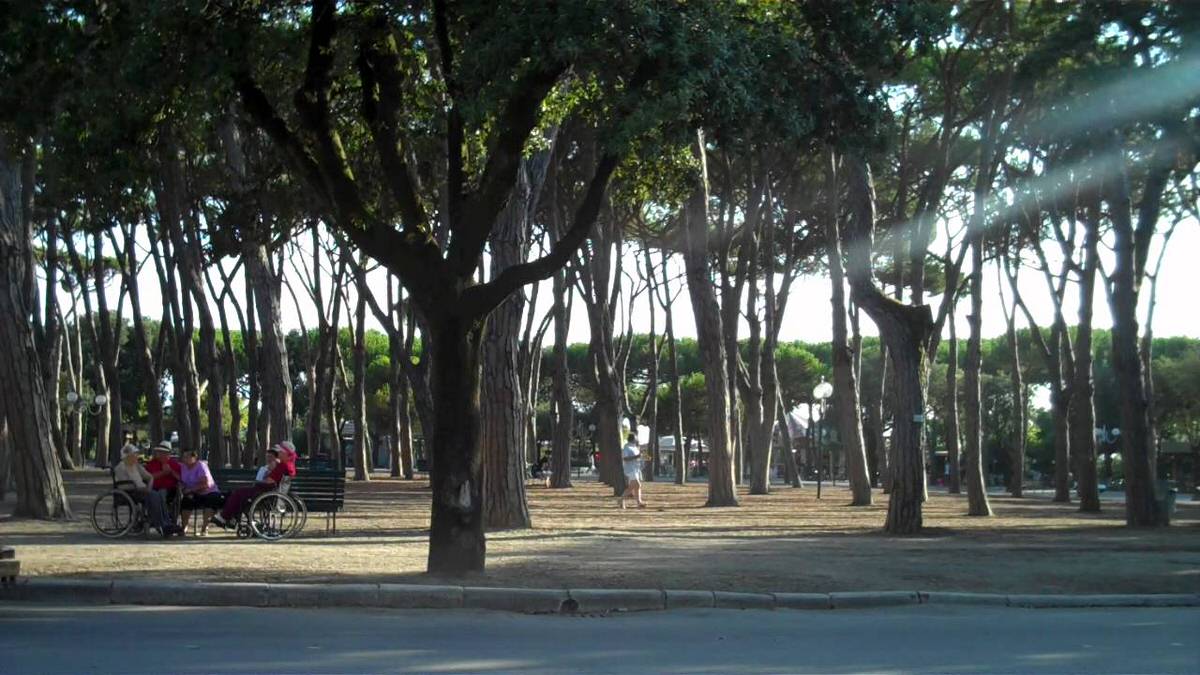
<point x="130" y="470"/>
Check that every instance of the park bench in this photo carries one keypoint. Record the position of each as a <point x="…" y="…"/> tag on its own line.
<point x="321" y="490"/>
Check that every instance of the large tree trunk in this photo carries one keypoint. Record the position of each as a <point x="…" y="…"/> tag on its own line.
<point x="50" y="341"/>
<point x="74" y="417"/>
<point x="253" y="451"/>
<point x="503" y="436"/>
<point x="362" y="458"/>
<point x="110" y="340"/>
<point x="1142" y="505"/>
<point x="402" y="457"/>
<point x="276" y="383"/>
<point x="184" y="233"/>
<point x="953" y="443"/>
<point x="906" y="331"/>
<point x="233" y="450"/>
<point x="1016" y="480"/>
<point x="977" y="501"/>
<point x="564" y="410"/>
<point x="651" y="402"/>
<point x="141" y="340"/>
<point x="100" y="333"/>
<point x="710" y="336"/>
<point x="875" y="414"/>
<point x="1082" y="410"/>
<point x="845" y="384"/>
<point x="456" y="539"/>
<point x="5" y="459"/>
<point x="791" y="471"/>
<point x="676" y="421"/>
<point x="34" y="459"/>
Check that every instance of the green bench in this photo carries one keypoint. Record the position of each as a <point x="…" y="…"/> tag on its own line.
<point x="321" y="490"/>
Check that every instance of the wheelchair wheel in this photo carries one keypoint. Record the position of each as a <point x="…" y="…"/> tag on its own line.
<point x="114" y="514"/>
<point x="302" y="518"/>
<point x="273" y="516"/>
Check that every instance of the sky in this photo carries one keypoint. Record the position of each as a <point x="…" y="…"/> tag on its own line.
<point x="808" y="313"/>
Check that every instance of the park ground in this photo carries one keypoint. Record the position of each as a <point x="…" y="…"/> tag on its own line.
<point x="787" y="541"/>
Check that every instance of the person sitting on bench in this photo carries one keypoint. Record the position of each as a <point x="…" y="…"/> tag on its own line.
<point x="166" y="470"/>
<point x="285" y="468"/>
<point x="130" y="470"/>
<point x="199" y="490"/>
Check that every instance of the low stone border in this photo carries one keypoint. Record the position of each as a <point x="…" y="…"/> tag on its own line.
<point x="527" y="600"/>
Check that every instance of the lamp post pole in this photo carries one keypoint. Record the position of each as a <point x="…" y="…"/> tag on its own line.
<point x="821" y="392"/>
<point x="78" y="403"/>
<point x="1108" y="438"/>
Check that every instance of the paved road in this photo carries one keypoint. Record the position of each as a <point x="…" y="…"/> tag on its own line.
<point x="46" y="639"/>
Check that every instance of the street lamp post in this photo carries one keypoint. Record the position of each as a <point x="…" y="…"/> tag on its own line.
<point x="1108" y="438"/>
<point x="821" y="392"/>
<point x="77" y="403"/>
<point x="592" y="455"/>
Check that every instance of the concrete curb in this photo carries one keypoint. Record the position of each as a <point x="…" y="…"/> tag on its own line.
<point x="620" y="600"/>
<point x="861" y="600"/>
<point x="528" y="600"/>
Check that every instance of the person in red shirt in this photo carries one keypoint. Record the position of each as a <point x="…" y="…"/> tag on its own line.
<point x="165" y="471"/>
<point x="239" y="498"/>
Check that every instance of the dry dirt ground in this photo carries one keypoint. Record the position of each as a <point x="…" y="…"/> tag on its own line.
<point x="786" y="541"/>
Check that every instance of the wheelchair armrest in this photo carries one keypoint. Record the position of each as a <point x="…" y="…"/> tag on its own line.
<point x="124" y="484"/>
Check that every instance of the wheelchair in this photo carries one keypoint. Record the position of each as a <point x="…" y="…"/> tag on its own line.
<point x="272" y="516"/>
<point x="120" y="513"/>
<point x="116" y="514"/>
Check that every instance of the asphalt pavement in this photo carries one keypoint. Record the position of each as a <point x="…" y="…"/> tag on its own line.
<point x="37" y="638"/>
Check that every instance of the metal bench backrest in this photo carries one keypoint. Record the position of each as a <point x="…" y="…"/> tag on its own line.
<point x="321" y="491"/>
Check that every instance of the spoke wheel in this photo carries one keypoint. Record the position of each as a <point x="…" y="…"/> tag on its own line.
<point x="273" y="516"/>
<point x="114" y="514"/>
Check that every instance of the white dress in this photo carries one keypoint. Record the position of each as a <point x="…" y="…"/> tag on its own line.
<point x="631" y="460"/>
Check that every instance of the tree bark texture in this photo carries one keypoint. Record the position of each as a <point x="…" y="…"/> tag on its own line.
<point x="1016" y="480"/>
<point x="710" y="336"/>
<point x="362" y="458"/>
<point x="906" y="331"/>
<point x="845" y="384"/>
<point x="1142" y="505"/>
<point x="1082" y="409"/>
<point x="276" y="380"/>
<point x="953" y="435"/>
<point x="34" y="460"/>
<point x="676" y="421"/>
<point x="564" y="410"/>
<point x="456" y="539"/>
<point x="875" y="414"/>
<point x="503" y="435"/>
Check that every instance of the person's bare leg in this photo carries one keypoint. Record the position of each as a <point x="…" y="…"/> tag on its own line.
<point x="185" y="518"/>
<point x="208" y="514"/>
<point x="637" y="492"/>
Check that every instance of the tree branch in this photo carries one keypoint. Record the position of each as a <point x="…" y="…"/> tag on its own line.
<point x="517" y="120"/>
<point x="378" y="67"/>
<point x="479" y="300"/>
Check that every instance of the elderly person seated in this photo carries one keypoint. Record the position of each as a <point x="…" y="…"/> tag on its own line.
<point x="166" y="470"/>
<point x="130" y="470"/>
<point x="199" y="490"/>
<point x="241" y="497"/>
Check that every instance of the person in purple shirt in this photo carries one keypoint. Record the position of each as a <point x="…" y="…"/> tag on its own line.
<point x="199" y="490"/>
